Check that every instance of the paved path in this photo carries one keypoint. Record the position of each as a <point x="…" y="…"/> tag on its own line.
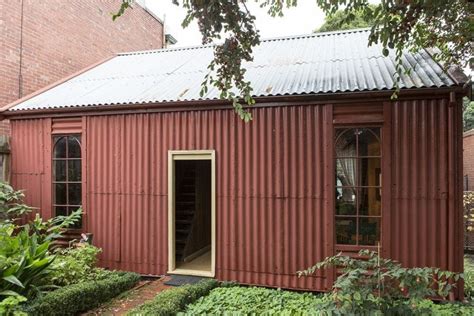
<point x="144" y="291"/>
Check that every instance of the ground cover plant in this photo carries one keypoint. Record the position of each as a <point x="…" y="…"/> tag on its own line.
<point x="240" y="300"/>
<point x="172" y="301"/>
<point x="255" y="300"/>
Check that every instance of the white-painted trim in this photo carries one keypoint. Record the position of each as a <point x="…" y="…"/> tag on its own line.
<point x="190" y="155"/>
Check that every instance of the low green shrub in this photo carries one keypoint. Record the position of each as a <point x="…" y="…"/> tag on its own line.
<point x="254" y="300"/>
<point x="76" y="265"/>
<point x="428" y="307"/>
<point x="81" y="297"/>
<point x="174" y="300"/>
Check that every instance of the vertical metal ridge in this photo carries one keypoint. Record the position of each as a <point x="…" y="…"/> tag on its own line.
<point x="421" y="203"/>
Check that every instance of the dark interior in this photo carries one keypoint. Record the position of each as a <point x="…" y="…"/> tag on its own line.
<point x="193" y="209"/>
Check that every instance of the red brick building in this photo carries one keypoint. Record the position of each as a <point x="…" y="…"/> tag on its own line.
<point x="468" y="158"/>
<point x="44" y="41"/>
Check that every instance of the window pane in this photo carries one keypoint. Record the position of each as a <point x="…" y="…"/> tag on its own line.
<point x="59" y="170"/>
<point x="60" y="193"/>
<point x="369" y="230"/>
<point x="370" y="202"/>
<point x="346" y="231"/>
<point x="370" y="171"/>
<point x="74" y="147"/>
<point x="346" y="172"/>
<point x="74" y="194"/>
<point x="60" y="210"/>
<point x="369" y="144"/>
<point x="346" y="201"/>
<point x="345" y="143"/>
<point x="59" y="147"/>
<point x="74" y="170"/>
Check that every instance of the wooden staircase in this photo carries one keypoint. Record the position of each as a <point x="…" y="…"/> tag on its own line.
<point x="185" y="210"/>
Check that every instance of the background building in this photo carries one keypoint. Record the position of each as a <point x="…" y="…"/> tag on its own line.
<point x="44" y="41"/>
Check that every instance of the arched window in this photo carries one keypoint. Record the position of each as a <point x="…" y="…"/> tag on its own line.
<point x="67" y="174"/>
<point x="358" y="186"/>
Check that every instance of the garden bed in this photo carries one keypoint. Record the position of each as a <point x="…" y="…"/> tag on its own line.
<point x="240" y="300"/>
<point x="214" y="298"/>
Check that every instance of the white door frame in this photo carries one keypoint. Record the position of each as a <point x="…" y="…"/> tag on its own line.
<point x="174" y="155"/>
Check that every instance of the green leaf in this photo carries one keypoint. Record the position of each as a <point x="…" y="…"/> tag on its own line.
<point x="13" y="279"/>
<point x="9" y="293"/>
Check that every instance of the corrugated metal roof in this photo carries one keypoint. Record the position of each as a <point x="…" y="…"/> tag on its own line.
<point x="307" y="64"/>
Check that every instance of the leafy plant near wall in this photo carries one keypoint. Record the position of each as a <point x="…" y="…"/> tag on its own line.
<point x="54" y="227"/>
<point x="370" y="285"/>
<point x="25" y="259"/>
<point x="11" y="205"/>
<point x="75" y="265"/>
<point x="24" y="262"/>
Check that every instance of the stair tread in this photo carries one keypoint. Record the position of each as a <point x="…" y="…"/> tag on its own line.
<point x="183" y="221"/>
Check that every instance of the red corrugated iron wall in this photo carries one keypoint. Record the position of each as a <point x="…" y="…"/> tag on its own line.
<point x="270" y="207"/>
<point x="31" y="155"/>
<point x="274" y="186"/>
<point x="426" y="176"/>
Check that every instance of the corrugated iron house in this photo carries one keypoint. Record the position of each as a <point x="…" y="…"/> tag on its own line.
<point x="174" y="182"/>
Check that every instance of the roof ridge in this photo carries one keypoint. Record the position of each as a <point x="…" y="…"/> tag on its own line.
<point x="269" y="39"/>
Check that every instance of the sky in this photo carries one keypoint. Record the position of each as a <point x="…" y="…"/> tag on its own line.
<point x="302" y="19"/>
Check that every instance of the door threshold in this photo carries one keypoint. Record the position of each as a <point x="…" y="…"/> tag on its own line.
<point x="203" y="273"/>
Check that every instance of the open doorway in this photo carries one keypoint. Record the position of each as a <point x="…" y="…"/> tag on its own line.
<point x="191" y="213"/>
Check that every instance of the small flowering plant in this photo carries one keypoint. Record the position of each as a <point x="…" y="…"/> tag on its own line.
<point x="369" y="283"/>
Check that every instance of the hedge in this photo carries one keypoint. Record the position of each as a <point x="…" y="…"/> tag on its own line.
<point x="172" y="301"/>
<point x="81" y="297"/>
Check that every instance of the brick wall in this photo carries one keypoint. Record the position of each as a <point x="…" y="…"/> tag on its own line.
<point x="61" y="37"/>
<point x="468" y="160"/>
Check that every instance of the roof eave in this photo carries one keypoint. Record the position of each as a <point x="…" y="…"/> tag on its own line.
<point x="5" y="108"/>
<point x="301" y="99"/>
